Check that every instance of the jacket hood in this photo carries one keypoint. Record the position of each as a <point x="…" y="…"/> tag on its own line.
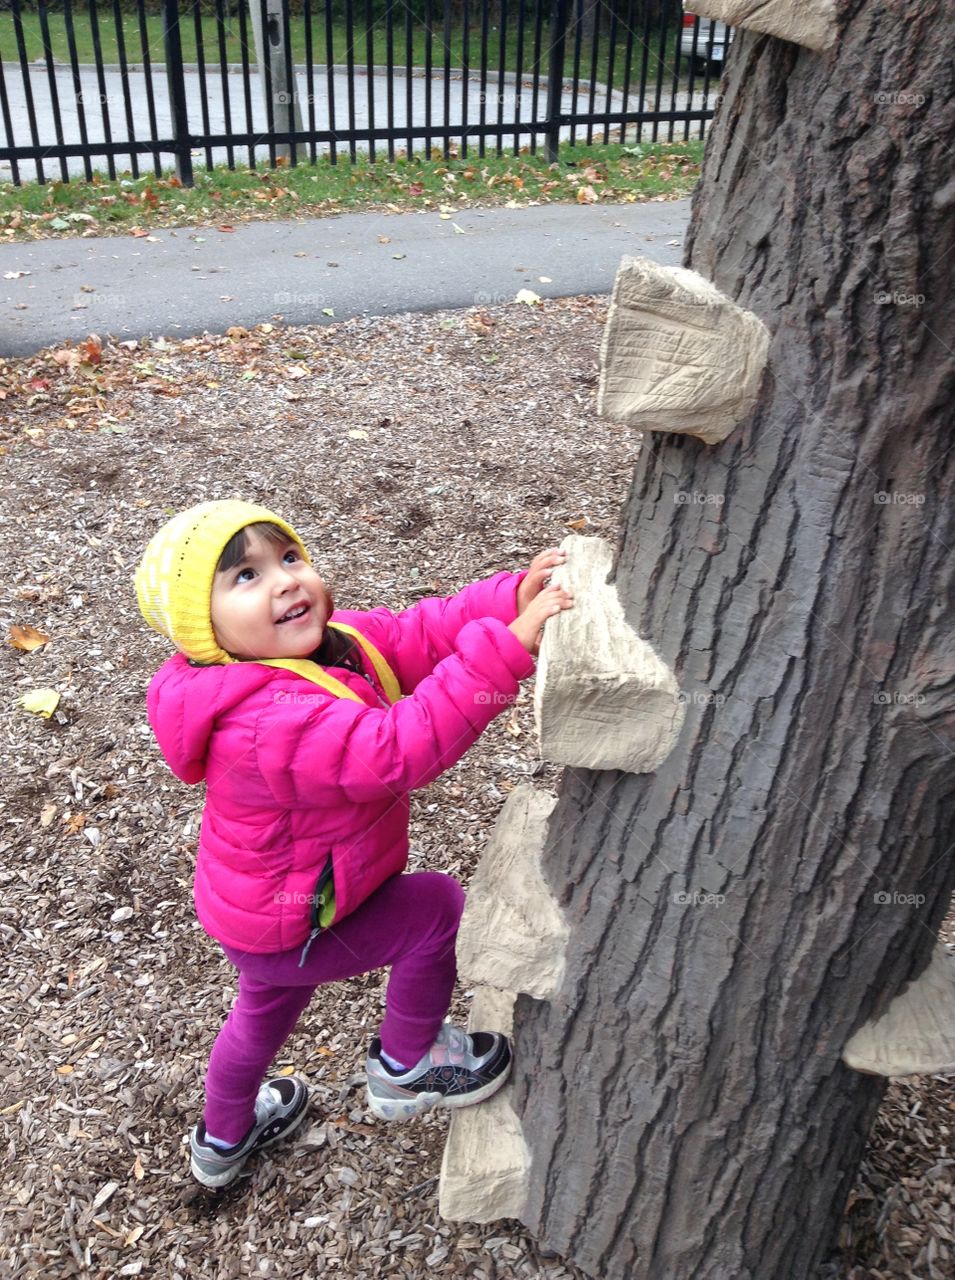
<point x="184" y="702"/>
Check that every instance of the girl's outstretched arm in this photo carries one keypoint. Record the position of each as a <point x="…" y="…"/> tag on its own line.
<point x="316" y="748"/>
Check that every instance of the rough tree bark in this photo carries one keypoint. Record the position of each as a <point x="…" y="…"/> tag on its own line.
<point x="737" y="914"/>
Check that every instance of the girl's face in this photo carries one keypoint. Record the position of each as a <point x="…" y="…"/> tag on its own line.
<point x="272" y="604"/>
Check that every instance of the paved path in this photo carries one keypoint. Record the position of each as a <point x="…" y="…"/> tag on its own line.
<point x="196" y="279"/>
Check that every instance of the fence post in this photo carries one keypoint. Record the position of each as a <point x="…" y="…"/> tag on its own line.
<point x="555" y="77"/>
<point x="177" y="92"/>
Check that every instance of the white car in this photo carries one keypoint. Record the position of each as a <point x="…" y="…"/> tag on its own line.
<point x="704" y="40"/>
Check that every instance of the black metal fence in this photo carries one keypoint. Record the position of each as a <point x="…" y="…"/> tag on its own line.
<point x="123" y="82"/>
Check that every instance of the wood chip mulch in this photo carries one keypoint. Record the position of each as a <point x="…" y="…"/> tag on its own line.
<point x="414" y="454"/>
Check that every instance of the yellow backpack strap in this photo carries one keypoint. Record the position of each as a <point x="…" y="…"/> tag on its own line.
<point x="312" y="671"/>
<point x="389" y="681"/>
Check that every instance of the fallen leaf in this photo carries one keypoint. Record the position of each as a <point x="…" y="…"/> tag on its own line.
<point x="138" y="1172"/>
<point x="74" y="824"/>
<point x="41" y="702"/>
<point x="384" y="239"/>
<point x="358" y="435"/>
<point x="138" y="232"/>
<point x="578" y="524"/>
<point x="399" y="256"/>
<point x="545" y="279"/>
<point x="66" y="1070"/>
<point x="328" y="311"/>
<point x="92" y="349"/>
<point x="458" y="230"/>
<point x="14" y="275"/>
<point x="225" y="227"/>
<point x="26" y="638"/>
<point x="528" y="296"/>
<point x="286" y="1071"/>
<point x="47" y="814"/>
<point x="586" y="195"/>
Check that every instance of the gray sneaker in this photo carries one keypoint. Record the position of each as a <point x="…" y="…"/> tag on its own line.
<point x="457" y="1071"/>
<point x="279" y="1108"/>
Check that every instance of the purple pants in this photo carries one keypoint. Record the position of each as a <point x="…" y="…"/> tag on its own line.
<point x="409" y="923"/>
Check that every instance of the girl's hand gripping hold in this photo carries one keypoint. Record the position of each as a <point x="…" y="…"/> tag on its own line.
<point x="529" y="625"/>
<point x="541" y="567"/>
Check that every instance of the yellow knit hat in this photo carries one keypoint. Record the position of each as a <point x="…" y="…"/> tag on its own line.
<point x="174" y="577"/>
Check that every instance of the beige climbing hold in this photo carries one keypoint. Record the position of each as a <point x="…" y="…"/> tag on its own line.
<point x="512" y="933"/>
<point x="484" y="1173"/>
<point x="603" y="699"/>
<point x="916" y="1034"/>
<point x="676" y="355"/>
<point x="807" y="22"/>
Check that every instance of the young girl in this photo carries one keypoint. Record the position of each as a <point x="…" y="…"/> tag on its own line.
<point x="292" y="713"/>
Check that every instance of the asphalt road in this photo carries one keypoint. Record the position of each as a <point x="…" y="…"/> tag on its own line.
<point x="191" y="280"/>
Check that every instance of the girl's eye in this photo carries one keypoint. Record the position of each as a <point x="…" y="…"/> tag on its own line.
<point x="290" y="556"/>
<point x="245" y="575"/>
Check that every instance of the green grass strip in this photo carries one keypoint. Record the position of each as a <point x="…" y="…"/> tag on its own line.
<point x="586" y="175"/>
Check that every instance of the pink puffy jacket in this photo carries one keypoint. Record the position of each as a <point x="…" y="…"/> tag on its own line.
<point x="296" y="776"/>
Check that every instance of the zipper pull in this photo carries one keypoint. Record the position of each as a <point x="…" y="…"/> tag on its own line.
<point x="308" y="942"/>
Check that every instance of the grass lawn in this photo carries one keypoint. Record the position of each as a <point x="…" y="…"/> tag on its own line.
<point x="132" y="39"/>
<point x="584" y="175"/>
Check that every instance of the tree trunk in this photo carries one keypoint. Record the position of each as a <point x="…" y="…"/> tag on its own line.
<point x="736" y="915"/>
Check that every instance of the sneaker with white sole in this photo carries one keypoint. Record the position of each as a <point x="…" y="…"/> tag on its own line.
<point x="457" y="1071"/>
<point x="279" y="1109"/>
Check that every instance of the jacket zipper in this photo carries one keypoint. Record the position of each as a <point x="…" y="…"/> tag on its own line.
<point x="326" y="876"/>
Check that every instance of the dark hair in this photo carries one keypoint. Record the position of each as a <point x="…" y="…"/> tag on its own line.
<point x="337" y="649"/>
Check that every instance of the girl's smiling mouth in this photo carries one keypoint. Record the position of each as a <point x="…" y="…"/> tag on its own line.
<point x="297" y="611"/>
